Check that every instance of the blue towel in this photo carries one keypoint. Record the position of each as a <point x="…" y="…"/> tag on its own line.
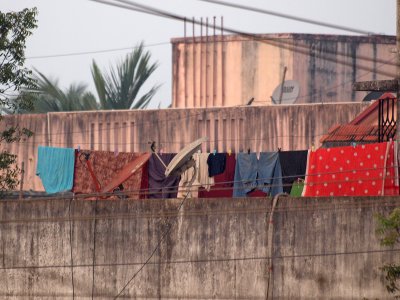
<point x="55" y="167"/>
<point x="251" y="173"/>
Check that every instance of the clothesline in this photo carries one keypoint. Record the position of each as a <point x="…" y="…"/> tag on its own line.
<point x="142" y="191"/>
<point x="381" y="160"/>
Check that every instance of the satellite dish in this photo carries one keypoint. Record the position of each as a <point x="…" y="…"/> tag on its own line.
<point x="372" y="96"/>
<point x="182" y="160"/>
<point x="290" y="91"/>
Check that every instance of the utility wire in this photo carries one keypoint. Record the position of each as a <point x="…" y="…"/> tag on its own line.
<point x="202" y="111"/>
<point x="70" y="247"/>
<point x="211" y="260"/>
<point x="290" y="17"/>
<point x="268" y="40"/>
<point x="169" y="227"/>
<point x="175" y="188"/>
<point x="94" y="52"/>
<point x="94" y="248"/>
<point x="27" y="142"/>
<point x="137" y="124"/>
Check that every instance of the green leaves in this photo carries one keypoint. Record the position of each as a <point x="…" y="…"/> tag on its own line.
<point x="15" y="27"/>
<point x="120" y="86"/>
<point x="389" y="230"/>
<point x="48" y="97"/>
<point x="117" y="89"/>
<point x="392" y="274"/>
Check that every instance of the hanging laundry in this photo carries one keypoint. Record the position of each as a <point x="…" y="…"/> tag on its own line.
<point x="161" y="187"/>
<point x="392" y="174"/>
<point x="347" y="171"/>
<point x="105" y="166"/>
<point x="55" y="167"/>
<point x="297" y="188"/>
<point x="293" y="164"/>
<point x="201" y="180"/>
<point x="223" y="182"/>
<point x="216" y="164"/>
<point x="264" y="174"/>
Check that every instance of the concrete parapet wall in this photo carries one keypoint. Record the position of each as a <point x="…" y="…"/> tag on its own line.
<point x="290" y="127"/>
<point x="216" y="248"/>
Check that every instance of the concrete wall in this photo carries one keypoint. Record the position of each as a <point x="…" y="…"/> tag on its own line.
<point x="230" y="70"/>
<point x="216" y="249"/>
<point x="294" y="127"/>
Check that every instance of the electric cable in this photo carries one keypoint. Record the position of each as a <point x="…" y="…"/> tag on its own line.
<point x="94" y="247"/>
<point x="164" y="235"/>
<point x="93" y="52"/>
<point x="136" y="124"/>
<point x="348" y="180"/>
<point x="211" y="260"/>
<point x="289" y="17"/>
<point x="272" y="41"/>
<point x="70" y="247"/>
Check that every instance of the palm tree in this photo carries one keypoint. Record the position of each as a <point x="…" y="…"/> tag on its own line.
<point x="48" y="97"/>
<point x="119" y="88"/>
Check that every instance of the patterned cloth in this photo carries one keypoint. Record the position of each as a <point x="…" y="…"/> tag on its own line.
<point x="351" y="171"/>
<point x="105" y="166"/>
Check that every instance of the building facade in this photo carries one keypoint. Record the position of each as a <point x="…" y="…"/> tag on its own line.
<point x="221" y="70"/>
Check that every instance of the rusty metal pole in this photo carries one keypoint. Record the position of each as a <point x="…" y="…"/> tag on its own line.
<point x="185" y="63"/>
<point x="282" y="85"/>
<point x="21" y="183"/>
<point x="398" y="71"/>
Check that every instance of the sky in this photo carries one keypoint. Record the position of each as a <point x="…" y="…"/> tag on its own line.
<point x="76" y="26"/>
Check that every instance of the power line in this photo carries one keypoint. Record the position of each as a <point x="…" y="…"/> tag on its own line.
<point x="210" y="260"/>
<point x="164" y="235"/>
<point x="94" y="248"/>
<point x="70" y="247"/>
<point x="94" y="51"/>
<point x="137" y="124"/>
<point x="268" y="40"/>
<point x="290" y="17"/>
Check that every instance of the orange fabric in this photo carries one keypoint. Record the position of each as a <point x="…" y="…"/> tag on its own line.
<point x="105" y="165"/>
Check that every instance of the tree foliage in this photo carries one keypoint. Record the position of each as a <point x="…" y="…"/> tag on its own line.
<point x="389" y="230"/>
<point x="48" y="96"/>
<point x="15" y="28"/>
<point x="119" y="88"/>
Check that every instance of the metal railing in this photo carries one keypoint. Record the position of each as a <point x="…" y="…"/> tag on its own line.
<point x="386" y="119"/>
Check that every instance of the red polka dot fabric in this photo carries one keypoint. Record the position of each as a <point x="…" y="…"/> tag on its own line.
<point x="363" y="170"/>
<point x="392" y="174"/>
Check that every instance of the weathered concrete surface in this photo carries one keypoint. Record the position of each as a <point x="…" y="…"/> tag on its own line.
<point x="322" y="248"/>
<point x="230" y="70"/>
<point x="290" y="127"/>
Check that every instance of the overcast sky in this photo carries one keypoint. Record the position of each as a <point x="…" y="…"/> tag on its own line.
<point x="72" y="26"/>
